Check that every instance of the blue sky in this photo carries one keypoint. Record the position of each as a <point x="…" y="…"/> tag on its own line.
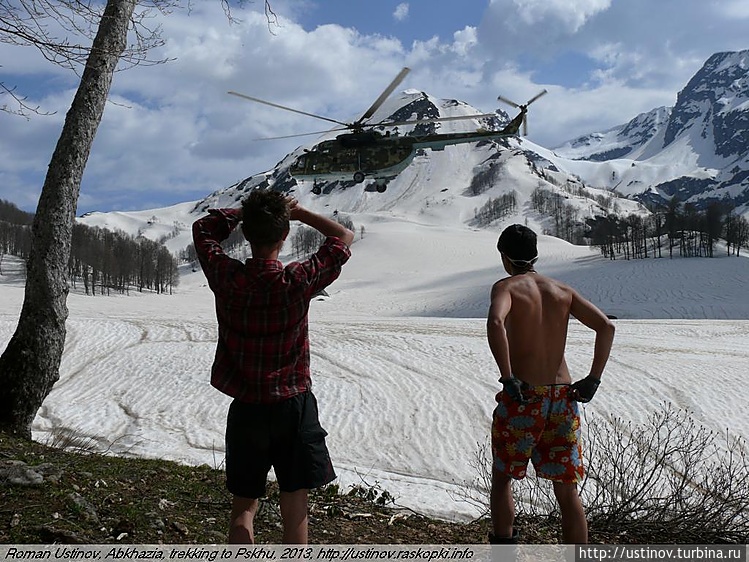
<point x="405" y="20"/>
<point x="172" y="134"/>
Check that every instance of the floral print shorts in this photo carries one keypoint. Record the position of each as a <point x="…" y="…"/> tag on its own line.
<point x="546" y="431"/>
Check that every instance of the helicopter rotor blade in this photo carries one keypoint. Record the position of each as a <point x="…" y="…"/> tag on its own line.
<point x="538" y="95"/>
<point x="384" y="95"/>
<point x="387" y="124"/>
<point x="302" y="134"/>
<point x="507" y="101"/>
<point x="276" y="105"/>
<point x="434" y="120"/>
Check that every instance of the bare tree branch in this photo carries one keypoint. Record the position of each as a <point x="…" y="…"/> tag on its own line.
<point x="23" y="109"/>
<point x="63" y="31"/>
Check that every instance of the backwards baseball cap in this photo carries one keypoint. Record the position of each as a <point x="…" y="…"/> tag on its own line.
<point x="518" y="244"/>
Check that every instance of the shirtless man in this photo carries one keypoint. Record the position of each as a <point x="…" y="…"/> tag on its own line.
<point x="537" y="416"/>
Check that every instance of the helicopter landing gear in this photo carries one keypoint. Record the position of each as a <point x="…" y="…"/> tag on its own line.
<point x="358" y="177"/>
<point x="381" y="186"/>
<point x="316" y="189"/>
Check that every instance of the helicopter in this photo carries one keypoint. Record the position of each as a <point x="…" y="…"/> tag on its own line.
<point x="364" y="152"/>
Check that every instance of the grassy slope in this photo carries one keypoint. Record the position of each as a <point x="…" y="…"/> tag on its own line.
<point x="95" y="499"/>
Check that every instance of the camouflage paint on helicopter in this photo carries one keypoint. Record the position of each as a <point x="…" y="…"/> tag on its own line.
<point x="379" y="156"/>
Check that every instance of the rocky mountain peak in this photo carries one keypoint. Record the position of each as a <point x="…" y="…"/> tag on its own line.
<point x="715" y="103"/>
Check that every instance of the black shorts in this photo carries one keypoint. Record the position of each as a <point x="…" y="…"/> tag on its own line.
<point x="286" y="435"/>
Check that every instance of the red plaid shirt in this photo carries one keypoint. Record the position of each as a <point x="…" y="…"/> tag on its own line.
<point x="262" y="355"/>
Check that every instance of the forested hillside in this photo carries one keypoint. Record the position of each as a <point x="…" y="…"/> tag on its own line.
<point x="101" y="260"/>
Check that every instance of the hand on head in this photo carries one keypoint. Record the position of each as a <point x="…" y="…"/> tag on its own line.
<point x="294" y="207"/>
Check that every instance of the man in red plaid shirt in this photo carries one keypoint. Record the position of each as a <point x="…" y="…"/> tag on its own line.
<point x="262" y="355"/>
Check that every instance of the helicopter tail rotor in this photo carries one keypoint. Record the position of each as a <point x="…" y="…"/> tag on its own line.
<point x="538" y="95"/>
<point x="508" y="101"/>
<point x="523" y="107"/>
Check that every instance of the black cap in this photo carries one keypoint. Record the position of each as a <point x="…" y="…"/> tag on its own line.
<point x="518" y="244"/>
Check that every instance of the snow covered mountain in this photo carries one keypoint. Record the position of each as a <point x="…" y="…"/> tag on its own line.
<point x="642" y="135"/>
<point x="697" y="150"/>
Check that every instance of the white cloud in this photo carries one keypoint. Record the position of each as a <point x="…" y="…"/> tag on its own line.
<point x="738" y="9"/>
<point x="401" y="12"/>
<point x="465" y="40"/>
<point x="572" y="14"/>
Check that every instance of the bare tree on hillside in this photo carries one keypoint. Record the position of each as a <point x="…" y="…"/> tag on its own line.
<point x="741" y="234"/>
<point x="29" y="367"/>
<point x="672" y="218"/>
<point x="736" y="232"/>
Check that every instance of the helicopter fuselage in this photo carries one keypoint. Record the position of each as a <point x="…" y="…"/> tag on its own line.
<point x="371" y="154"/>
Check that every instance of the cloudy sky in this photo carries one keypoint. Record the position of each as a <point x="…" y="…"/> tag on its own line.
<point x="172" y="134"/>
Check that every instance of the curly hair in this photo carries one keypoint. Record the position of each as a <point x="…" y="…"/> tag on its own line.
<point x="265" y="217"/>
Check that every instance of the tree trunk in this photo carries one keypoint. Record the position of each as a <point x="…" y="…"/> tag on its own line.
<point x="30" y="365"/>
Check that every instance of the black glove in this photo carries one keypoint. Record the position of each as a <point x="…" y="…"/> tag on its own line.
<point x="514" y="389"/>
<point x="584" y="389"/>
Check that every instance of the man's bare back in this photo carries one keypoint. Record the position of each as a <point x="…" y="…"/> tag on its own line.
<point x="527" y="327"/>
<point x="536" y="327"/>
